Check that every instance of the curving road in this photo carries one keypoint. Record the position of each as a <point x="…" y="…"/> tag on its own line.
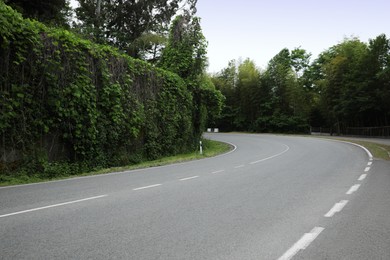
<point x="273" y="197"/>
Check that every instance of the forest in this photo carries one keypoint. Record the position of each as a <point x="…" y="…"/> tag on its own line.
<point x="117" y="82"/>
<point x="346" y="87"/>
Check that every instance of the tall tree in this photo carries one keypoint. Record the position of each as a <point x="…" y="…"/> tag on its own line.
<point x="248" y="80"/>
<point x="378" y="75"/>
<point x="279" y="75"/>
<point x="300" y="61"/>
<point x="55" y="12"/>
<point x="136" y="27"/>
<point x="226" y="82"/>
<point x="289" y="101"/>
<point x="185" y="55"/>
<point x="344" y="83"/>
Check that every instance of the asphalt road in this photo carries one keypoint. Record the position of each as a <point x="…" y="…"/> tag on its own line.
<point x="273" y="197"/>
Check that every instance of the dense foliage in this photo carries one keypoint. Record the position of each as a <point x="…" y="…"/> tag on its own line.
<point x="353" y="79"/>
<point x="138" y="28"/>
<point x="65" y="99"/>
<point x="185" y="55"/>
<point x="347" y="86"/>
<point x="55" y="12"/>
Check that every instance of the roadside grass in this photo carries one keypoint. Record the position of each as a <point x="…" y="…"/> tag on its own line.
<point x="378" y="151"/>
<point x="210" y="149"/>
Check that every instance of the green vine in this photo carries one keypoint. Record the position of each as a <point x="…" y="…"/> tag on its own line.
<point x="67" y="100"/>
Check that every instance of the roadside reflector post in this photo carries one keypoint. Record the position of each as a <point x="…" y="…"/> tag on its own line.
<point x="200" y="147"/>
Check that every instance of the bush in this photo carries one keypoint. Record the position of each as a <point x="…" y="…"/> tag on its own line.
<point x="281" y="123"/>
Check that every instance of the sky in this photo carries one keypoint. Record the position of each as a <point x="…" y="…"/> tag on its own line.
<point x="260" y="29"/>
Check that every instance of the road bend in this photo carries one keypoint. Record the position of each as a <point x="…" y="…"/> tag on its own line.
<point x="273" y="197"/>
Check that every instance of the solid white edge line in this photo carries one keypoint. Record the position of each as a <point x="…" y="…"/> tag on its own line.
<point x="232" y="151"/>
<point x="288" y="148"/>
<point x="52" y="206"/>
<point x="189" y="178"/>
<point x="370" y="157"/>
<point x="336" y="208"/>
<point x="147" y="187"/>
<point x="302" y="243"/>
<point x="362" y="177"/>
<point x="353" y="189"/>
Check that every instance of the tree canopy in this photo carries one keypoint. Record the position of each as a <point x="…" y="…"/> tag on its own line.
<point x="136" y="27"/>
<point x="346" y="86"/>
<point x="185" y="55"/>
<point x="54" y="12"/>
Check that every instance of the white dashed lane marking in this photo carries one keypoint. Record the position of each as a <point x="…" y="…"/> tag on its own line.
<point x="362" y="177"/>
<point x="336" y="208"/>
<point x="189" y="178"/>
<point x="353" y="189"/>
<point x="147" y="187"/>
<point x="302" y="243"/>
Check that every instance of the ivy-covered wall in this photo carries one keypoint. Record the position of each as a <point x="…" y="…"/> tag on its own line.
<point x="65" y="99"/>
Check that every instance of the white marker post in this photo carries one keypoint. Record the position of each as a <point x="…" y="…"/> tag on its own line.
<point x="200" y="147"/>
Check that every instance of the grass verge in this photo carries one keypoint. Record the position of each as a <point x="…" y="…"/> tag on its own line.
<point x="210" y="148"/>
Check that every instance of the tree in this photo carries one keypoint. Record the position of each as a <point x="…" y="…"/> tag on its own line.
<point x="136" y="27"/>
<point x="279" y="75"/>
<point x="56" y="12"/>
<point x="248" y="80"/>
<point x="185" y="55"/>
<point x="226" y="82"/>
<point x="300" y="60"/>
<point x="344" y="86"/>
<point x="287" y="100"/>
<point x="378" y="75"/>
<point x="271" y="101"/>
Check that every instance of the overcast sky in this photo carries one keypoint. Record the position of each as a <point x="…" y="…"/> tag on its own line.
<point x="259" y="29"/>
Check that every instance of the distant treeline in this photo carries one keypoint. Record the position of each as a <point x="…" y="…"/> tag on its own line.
<point x="348" y="85"/>
<point x="68" y="104"/>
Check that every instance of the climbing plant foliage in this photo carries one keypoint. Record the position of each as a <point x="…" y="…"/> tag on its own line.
<point x="65" y="99"/>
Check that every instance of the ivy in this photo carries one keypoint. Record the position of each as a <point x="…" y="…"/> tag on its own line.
<point x="68" y="101"/>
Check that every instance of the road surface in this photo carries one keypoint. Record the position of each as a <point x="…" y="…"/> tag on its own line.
<point x="273" y="197"/>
